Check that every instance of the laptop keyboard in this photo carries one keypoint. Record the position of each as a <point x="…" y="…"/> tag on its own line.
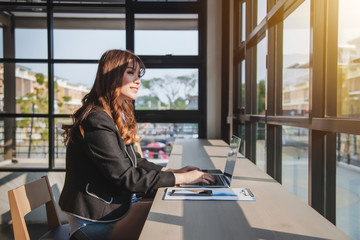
<point x="218" y="181"/>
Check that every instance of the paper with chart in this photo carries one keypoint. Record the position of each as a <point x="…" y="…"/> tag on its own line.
<point x="209" y="194"/>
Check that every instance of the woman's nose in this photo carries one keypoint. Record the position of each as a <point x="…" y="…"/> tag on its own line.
<point x="137" y="80"/>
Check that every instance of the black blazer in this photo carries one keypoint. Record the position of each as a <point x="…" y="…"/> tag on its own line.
<point x="100" y="177"/>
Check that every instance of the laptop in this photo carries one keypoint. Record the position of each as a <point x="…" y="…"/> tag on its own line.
<point x="223" y="179"/>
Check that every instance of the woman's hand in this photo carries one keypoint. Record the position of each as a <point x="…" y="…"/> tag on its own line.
<point x="181" y="170"/>
<point x="192" y="177"/>
<point x="185" y="169"/>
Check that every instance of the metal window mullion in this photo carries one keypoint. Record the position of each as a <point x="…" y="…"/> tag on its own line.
<point x="130" y="26"/>
<point x="332" y="21"/>
<point x="331" y="57"/>
<point x="317" y="105"/>
<point x="202" y="32"/>
<point x="51" y="96"/>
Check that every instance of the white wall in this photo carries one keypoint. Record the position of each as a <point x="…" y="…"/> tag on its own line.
<point x="214" y="69"/>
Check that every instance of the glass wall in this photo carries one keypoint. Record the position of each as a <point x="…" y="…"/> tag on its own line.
<point x="261" y="76"/>
<point x="296" y="58"/>
<point x="295" y="162"/>
<point x="305" y="89"/>
<point x="348" y="83"/>
<point x="47" y="69"/>
<point x="348" y="184"/>
<point x="261" y="146"/>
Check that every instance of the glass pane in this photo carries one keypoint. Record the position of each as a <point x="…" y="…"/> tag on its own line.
<point x="295" y="161"/>
<point x="31" y="36"/>
<point x="1" y="43"/>
<point x="296" y="55"/>
<point x="261" y="13"/>
<point x="169" y="89"/>
<point x="348" y="85"/>
<point x="242" y="103"/>
<point x="260" y="145"/>
<point x="261" y="75"/>
<point x="243" y="21"/>
<point x="240" y="132"/>
<point x="158" y="138"/>
<point x="166" y="34"/>
<point x="72" y="83"/>
<point x="89" y="35"/>
<point x="59" y="146"/>
<point x="28" y="138"/>
<point x="347" y="184"/>
<point x="24" y="88"/>
<point x="241" y="85"/>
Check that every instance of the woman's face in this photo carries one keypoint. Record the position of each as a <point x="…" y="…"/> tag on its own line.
<point x="130" y="84"/>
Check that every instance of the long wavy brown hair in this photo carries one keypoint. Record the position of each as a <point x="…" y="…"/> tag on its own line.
<point x="105" y="94"/>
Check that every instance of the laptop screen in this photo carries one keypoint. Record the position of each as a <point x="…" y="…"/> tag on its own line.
<point x="232" y="154"/>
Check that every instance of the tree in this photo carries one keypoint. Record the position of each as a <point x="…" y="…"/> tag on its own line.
<point x="37" y="102"/>
<point x="177" y="90"/>
<point x="261" y="97"/>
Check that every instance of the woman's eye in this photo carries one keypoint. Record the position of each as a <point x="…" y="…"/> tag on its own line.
<point x="130" y="72"/>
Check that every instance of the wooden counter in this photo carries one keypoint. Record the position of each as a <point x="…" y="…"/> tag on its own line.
<point x="276" y="213"/>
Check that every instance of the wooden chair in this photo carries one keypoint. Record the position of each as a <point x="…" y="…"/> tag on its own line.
<point x="26" y="198"/>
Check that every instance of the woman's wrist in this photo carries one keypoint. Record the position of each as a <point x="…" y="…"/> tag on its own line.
<point x="165" y="169"/>
<point x="179" y="178"/>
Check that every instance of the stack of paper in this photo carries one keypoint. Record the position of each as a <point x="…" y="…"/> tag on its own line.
<point x="215" y="194"/>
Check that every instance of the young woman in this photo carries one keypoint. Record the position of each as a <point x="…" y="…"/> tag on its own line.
<point x="103" y="170"/>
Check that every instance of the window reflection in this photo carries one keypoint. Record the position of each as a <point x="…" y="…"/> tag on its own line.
<point x="261" y="75"/>
<point x="348" y="84"/>
<point x="168" y="89"/>
<point x="260" y="146"/>
<point x="158" y="138"/>
<point x="295" y="91"/>
<point x="295" y="161"/>
<point x="347" y="184"/>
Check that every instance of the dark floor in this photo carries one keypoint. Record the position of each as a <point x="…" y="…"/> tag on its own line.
<point x="35" y="231"/>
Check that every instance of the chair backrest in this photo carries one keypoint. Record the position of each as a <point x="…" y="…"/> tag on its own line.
<point x="28" y="197"/>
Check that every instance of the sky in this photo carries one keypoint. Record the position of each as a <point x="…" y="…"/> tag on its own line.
<point x="90" y="44"/>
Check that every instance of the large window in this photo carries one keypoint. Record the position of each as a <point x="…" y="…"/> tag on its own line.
<point x="49" y="57"/>
<point x="302" y="102"/>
